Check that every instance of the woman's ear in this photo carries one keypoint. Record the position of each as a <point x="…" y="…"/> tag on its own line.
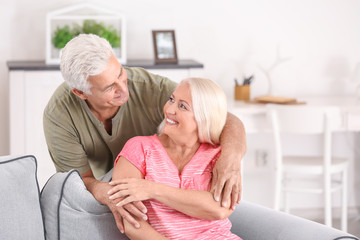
<point x="79" y="93"/>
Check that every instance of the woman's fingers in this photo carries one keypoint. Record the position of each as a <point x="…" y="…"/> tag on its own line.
<point x="119" y="194"/>
<point x="125" y="201"/>
<point x="117" y="188"/>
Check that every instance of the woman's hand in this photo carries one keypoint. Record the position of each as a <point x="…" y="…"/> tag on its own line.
<point x="131" y="190"/>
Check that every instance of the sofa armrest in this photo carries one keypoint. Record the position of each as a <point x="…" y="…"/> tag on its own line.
<point x="254" y="222"/>
<point x="20" y="212"/>
<point x="71" y="212"/>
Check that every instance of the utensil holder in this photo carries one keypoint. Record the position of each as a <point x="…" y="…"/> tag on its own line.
<point x="242" y="92"/>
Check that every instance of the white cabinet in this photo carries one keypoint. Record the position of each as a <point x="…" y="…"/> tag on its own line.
<point x="29" y="94"/>
<point x="178" y="74"/>
<point x="30" y="88"/>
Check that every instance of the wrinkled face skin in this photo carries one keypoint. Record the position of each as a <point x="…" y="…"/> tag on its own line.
<point x="109" y="88"/>
<point x="179" y="116"/>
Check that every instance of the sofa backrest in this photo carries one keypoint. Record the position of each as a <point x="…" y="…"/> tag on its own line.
<point x="20" y="211"/>
<point x="71" y="212"/>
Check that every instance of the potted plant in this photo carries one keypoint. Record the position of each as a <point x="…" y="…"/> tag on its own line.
<point x="66" y="23"/>
<point x="63" y="35"/>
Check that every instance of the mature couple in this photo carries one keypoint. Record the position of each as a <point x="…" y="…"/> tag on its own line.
<point x="181" y="183"/>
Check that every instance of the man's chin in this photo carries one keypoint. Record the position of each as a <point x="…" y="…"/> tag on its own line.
<point x="119" y="102"/>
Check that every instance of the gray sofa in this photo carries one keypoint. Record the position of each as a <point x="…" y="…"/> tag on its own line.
<point x="66" y="210"/>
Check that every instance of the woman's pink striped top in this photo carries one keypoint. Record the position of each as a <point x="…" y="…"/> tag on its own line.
<point x="149" y="156"/>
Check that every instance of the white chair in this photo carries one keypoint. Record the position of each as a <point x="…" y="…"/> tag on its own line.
<point x="300" y="120"/>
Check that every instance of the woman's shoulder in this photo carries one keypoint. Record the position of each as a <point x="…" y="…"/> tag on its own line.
<point x="206" y="147"/>
<point x="211" y="152"/>
<point x="144" y="141"/>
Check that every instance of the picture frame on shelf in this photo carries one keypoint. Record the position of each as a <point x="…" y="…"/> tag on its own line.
<point x="164" y="46"/>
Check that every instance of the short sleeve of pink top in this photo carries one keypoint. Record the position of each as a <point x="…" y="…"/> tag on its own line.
<point x="149" y="156"/>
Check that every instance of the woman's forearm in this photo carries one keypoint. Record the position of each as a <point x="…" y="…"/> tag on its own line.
<point x="145" y="232"/>
<point x="199" y="204"/>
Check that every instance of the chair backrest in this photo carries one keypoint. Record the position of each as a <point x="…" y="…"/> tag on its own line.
<point x="301" y="120"/>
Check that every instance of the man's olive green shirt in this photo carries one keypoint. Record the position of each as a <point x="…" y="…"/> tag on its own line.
<point x="76" y="139"/>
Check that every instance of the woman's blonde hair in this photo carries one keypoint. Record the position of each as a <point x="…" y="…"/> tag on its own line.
<point x="210" y="108"/>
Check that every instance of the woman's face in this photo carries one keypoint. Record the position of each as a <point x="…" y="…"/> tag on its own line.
<point x="179" y="115"/>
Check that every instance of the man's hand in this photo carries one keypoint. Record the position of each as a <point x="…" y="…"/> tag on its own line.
<point x="100" y="191"/>
<point x="226" y="181"/>
<point x="127" y="212"/>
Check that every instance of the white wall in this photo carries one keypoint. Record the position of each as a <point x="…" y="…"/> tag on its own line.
<point x="233" y="38"/>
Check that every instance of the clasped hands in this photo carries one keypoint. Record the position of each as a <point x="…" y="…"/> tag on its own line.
<point x="131" y="190"/>
<point x="128" y="193"/>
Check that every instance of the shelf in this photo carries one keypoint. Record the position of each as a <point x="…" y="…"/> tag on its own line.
<point x="40" y="65"/>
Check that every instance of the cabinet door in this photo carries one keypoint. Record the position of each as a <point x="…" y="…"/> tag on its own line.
<point x="179" y="74"/>
<point x="39" y="87"/>
<point x="353" y="120"/>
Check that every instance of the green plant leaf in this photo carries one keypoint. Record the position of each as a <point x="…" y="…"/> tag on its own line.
<point x="63" y="35"/>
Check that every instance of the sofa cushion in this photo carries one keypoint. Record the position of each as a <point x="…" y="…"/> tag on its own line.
<point x="71" y="212"/>
<point x="20" y="212"/>
<point x="255" y="222"/>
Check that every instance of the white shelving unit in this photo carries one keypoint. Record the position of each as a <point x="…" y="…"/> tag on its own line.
<point x="77" y="14"/>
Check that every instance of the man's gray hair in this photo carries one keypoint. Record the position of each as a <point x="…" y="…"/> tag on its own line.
<point x="83" y="56"/>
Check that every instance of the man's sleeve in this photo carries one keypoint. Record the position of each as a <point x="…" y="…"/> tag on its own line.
<point x="63" y="144"/>
<point x="166" y="87"/>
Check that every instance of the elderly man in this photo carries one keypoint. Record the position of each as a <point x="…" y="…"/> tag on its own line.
<point x="102" y="104"/>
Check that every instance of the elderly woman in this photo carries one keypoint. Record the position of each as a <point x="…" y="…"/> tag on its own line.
<point x="171" y="172"/>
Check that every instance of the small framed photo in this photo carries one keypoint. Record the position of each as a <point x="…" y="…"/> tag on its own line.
<point x="164" y="46"/>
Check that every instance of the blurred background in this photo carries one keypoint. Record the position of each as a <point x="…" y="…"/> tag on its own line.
<point x="308" y="48"/>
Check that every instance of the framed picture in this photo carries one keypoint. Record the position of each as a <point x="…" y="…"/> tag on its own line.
<point x="164" y="46"/>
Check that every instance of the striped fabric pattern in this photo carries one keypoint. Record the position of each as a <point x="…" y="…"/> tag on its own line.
<point x="149" y="156"/>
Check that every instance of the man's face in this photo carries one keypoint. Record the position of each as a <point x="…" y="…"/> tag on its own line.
<point x="109" y="88"/>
